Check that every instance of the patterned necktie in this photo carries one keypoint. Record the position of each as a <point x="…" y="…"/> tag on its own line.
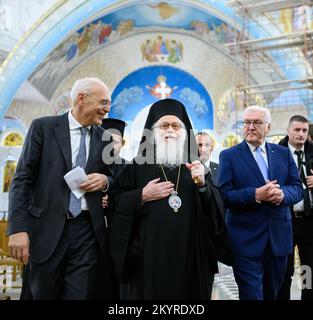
<point x="261" y="163"/>
<point x="75" y="204"/>
<point x="300" y="165"/>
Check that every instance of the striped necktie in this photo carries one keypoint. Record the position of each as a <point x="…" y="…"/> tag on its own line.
<point x="75" y="204"/>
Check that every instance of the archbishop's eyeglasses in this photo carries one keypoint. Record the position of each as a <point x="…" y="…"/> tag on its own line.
<point x="165" y="125"/>
<point x="256" y="123"/>
<point x="102" y="102"/>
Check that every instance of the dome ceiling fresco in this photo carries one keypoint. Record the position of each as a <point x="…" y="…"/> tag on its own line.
<point x="133" y="96"/>
<point x="99" y="24"/>
<point x="145" y="86"/>
<point x="116" y="26"/>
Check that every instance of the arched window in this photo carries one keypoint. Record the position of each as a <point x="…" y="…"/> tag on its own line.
<point x="8" y="172"/>
<point x="13" y="139"/>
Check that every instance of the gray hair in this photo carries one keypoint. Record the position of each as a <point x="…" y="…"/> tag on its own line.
<point x="255" y="108"/>
<point x="84" y="85"/>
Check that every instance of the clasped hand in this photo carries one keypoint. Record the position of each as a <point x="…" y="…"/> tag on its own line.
<point x="270" y="192"/>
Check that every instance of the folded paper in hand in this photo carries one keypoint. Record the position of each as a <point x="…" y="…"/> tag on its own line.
<point x="74" y="178"/>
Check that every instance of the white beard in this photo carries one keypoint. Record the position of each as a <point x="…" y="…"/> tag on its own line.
<point x="170" y="151"/>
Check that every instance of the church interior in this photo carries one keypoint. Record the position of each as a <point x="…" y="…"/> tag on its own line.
<point x="217" y="57"/>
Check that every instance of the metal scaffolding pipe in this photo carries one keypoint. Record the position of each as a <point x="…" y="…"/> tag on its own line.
<point x="274" y="38"/>
<point x="281" y="89"/>
<point x="277" y="83"/>
<point x="267" y="5"/>
<point x="277" y="46"/>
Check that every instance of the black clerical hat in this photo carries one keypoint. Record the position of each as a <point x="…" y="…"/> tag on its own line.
<point x="115" y="124"/>
<point x="167" y="107"/>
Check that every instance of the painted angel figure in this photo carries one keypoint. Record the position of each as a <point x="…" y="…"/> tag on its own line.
<point x="175" y="50"/>
<point x="147" y="51"/>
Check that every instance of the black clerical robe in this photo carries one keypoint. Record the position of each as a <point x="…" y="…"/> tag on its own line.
<point x="160" y="254"/>
<point x="118" y="166"/>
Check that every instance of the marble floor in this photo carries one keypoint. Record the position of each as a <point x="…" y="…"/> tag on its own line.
<point x="224" y="288"/>
<point x="13" y="288"/>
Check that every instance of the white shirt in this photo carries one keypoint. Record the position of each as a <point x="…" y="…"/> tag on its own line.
<point x="207" y="166"/>
<point x="75" y="135"/>
<point x="300" y="205"/>
<point x="263" y="151"/>
<point x="207" y="163"/>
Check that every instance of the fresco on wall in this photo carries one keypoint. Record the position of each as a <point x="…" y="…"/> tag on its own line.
<point x="63" y="103"/>
<point x="134" y="95"/>
<point x="127" y="21"/>
<point x="9" y="170"/>
<point x="161" y="90"/>
<point x="159" y="49"/>
<point x="294" y="19"/>
<point x="229" y="111"/>
<point x="13" y="140"/>
<point x="165" y="9"/>
<point x="5" y="18"/>
<point x="9" y="124"/>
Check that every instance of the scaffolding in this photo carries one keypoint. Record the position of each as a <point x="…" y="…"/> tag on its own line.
<point x="275" y="50"/>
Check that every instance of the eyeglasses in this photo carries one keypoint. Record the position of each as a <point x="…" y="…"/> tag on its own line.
<point x="165" y="125"/>
<point x="256" y="124"/>
<point x="102" y="102"/>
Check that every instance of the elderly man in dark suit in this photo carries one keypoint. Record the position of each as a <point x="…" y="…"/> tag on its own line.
<point x="63" y="238"/>
<point x="259" y="182"/>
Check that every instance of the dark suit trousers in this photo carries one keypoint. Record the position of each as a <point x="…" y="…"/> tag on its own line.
<point x="259" y="278"/>
<point x="211" y="282"/>
<point x="303" y="238"/>
<point x="71" y="271"/>
<point x="25" y="293"/>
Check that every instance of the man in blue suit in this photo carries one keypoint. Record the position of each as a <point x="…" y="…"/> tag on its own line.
<point x="259" y="181"/>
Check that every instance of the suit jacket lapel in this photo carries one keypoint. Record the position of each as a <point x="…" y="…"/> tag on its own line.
<point x="62" y="133"/>
<point x="246" y="154"/>
<point x="308" y="152"/>
<point x="94" y="149"/>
